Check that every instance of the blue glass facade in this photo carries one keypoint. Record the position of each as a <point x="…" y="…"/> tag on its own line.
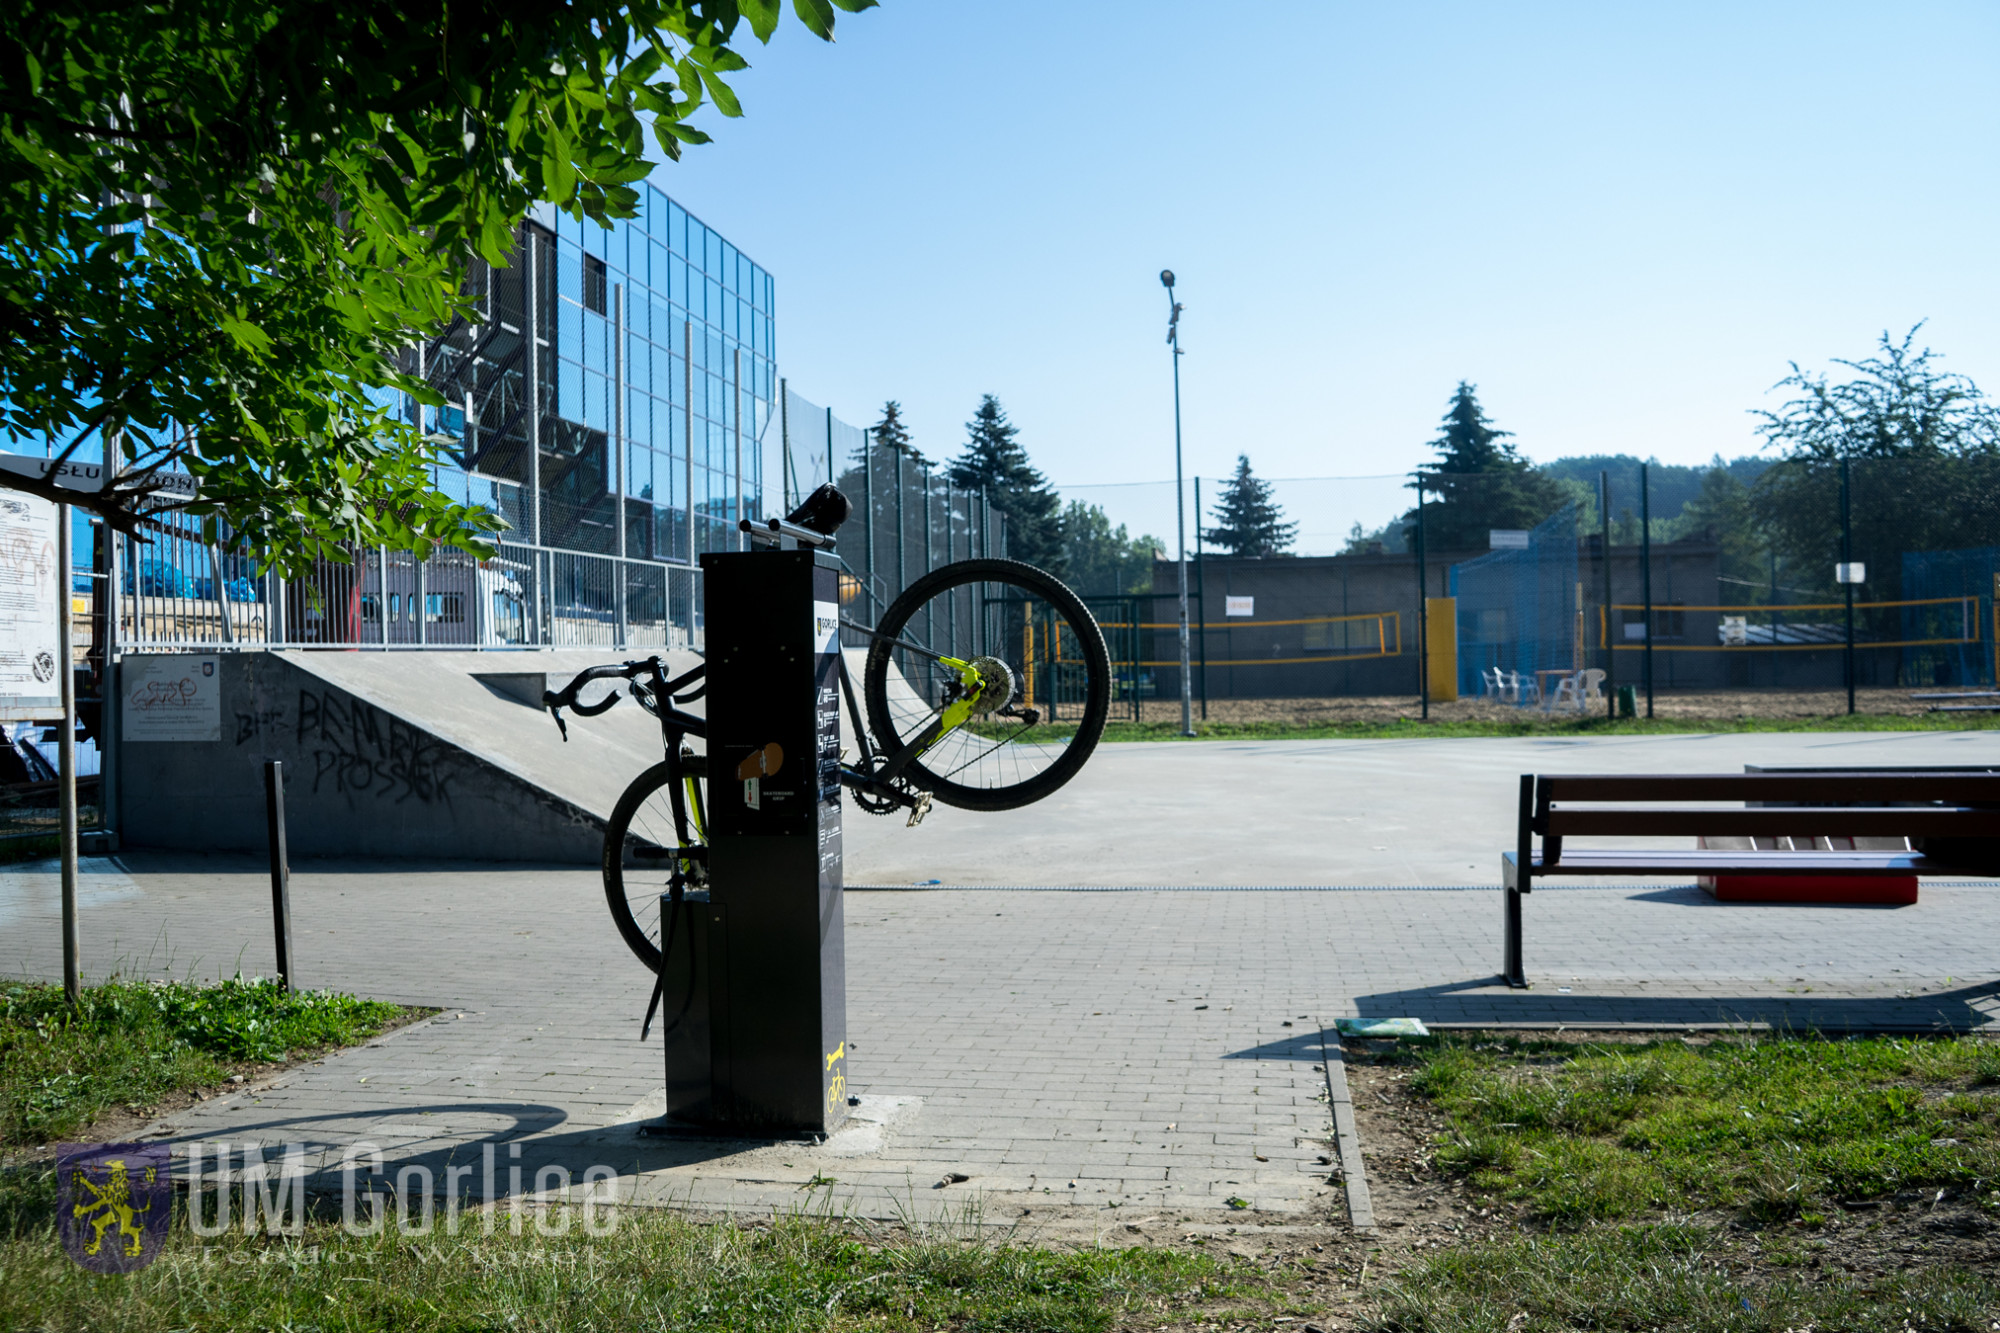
<point x="652" y="379"/>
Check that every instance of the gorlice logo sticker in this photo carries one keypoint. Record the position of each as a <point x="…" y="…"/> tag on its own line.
<point x="114" y="1202"/>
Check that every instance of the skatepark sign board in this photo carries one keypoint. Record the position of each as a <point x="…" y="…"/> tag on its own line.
<point x="28" y="590"/>
<point x="171" y="698"/>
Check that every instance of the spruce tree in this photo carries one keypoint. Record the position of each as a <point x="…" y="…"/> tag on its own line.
<point x="893" y="434"/>
<point x="1479" y="481"/>
<point x="1248" y="521"/>
<point x="995" y="462"/>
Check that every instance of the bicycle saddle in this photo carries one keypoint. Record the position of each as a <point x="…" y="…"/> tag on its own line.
<point x="823" y="511"/>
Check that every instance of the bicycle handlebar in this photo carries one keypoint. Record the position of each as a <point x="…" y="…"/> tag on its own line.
<point x="557" y="700"/>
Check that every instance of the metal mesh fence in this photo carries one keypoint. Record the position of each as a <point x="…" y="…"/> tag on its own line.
<point x="1519" y="613"/>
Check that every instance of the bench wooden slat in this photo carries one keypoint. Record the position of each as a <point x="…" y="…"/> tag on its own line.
<point x="1780" y="822"/>
<point x="1872" y="788"/>
<point x="1647" y="861"/>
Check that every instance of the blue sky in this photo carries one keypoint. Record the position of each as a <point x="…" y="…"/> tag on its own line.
<point x="1620" y="221"/>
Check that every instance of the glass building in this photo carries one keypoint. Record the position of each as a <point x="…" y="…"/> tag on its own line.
<point x="632" y="422"/>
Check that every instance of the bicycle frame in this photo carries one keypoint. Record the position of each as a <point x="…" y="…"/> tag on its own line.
<point x="877" y="781"/>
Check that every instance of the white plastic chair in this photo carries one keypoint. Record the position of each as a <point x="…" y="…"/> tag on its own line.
<point x="1525" y="692"/>
<point x="1568" y="694"/>
<point x="1593" y="687"/>
<point x="1491" y="686"/>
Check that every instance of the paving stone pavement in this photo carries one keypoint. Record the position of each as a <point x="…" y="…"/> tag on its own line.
<point x="1156" y="1052"/>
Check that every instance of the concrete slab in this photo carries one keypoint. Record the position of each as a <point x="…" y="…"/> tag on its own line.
<point x="400" y="754"/>
<point x="1076" y="1055"/>
<point x="1338" y="812"/>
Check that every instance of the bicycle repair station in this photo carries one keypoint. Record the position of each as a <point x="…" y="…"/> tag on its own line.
<point x="753" y="976"/>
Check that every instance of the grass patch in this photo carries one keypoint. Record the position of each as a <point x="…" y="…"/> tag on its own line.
<point x="1537" y="725"/>
<point x="1776" y="1128"/>
<point x="1688" y="1279"/>
<point x="656" y="1271"/>
<point x="129" y="1043"/>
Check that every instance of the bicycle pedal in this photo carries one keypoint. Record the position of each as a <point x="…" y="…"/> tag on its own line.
<point x="918" y="809"/>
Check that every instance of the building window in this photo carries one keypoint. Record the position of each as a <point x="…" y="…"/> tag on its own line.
<point x="593" y="284"/>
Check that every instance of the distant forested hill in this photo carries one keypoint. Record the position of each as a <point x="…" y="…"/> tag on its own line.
<point x="1673" y="485"/>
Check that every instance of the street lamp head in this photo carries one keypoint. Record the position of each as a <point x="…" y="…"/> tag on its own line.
<point x="1167" y="278"/>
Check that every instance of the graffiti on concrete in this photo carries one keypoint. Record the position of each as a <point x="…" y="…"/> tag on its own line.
<point x="358" y="750"/>
<point x="249" y="726"/>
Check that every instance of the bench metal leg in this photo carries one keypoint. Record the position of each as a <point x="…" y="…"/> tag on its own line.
<point x="1511" y="970"/>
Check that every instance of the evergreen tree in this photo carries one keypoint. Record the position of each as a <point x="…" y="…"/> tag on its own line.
<point x="1249" y="522"/>
<point x="995" y="462"/>
<point x="893" y="434"/>
<point x="1479" y="482"/>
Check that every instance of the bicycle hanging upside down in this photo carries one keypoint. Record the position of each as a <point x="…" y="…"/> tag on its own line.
<point x="986" y="686"/>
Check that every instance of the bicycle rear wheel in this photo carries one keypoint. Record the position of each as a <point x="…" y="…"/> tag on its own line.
<point x="645" y="830"/>
<point x="1045" y="638"/>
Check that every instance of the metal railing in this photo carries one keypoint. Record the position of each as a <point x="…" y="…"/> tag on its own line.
<point x="178" y="592"/>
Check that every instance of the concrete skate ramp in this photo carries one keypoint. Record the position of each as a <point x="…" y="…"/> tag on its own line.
<point x="396" y="754"/>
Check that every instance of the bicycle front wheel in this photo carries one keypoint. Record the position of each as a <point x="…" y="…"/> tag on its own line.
<point x="662" y="811"/>
<point x="1041" y="635"/>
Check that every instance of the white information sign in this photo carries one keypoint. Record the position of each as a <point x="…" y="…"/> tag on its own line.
<point x="172" y="699"/>
<point x="28" y="591"/>
<point x="1239" y="606"/>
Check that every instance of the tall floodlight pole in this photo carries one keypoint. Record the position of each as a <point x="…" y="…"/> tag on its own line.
<point x="1180" y="502"/>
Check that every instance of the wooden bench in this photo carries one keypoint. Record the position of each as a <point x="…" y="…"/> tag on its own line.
<point x="1951" y="822"/>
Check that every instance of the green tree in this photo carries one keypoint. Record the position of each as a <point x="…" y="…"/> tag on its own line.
<point x="893" y="433"/>
<point x="995" y="462"/>
<point x="1248" y="522"/>
<point x="222" y="224"/>
<point x="1100" y="560"/>
<point x="1722" y="511"/>
<point x="1923" y="446"/>
<point x="1479" y="482"/>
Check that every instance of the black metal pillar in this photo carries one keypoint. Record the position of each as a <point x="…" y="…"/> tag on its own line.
<point x="1200" y="600"/>
<point x="1423" y="619"/>
<point x="1646" y="578"/>
<point x="771" y="926"/>
<point x="1847" y="570"/>
<point x="1611" y="629"/>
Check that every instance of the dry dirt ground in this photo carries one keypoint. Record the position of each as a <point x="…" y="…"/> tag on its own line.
<point x="1720" y="705"/>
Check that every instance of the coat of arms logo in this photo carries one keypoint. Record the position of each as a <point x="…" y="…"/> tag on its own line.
<point x="114" y="1203"/>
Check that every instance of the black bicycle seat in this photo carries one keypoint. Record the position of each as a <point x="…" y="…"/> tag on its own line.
<point x="823" y="511"/>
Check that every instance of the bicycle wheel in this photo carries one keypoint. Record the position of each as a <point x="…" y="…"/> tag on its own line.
<point x="639" y="845"/>
<point x="1052" y="651"/>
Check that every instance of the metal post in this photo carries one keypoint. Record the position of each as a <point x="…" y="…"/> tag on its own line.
<point x="1847" y="575"/>
<point x="221" y="592"/>
<point x="618" y="417"/>
<point x="1200" y="597"/>
<point x="929" y="563"/>
<point x="1180" y="521"/>
<point x="902" y="527"/>
<point x="1646" y="575"/>
<point x="736" y="421"/>
<point x="786" y="477"/>
<point x="66" y="753"/>
<point x="1423" y="620"/>
<point x="1610" y="631"/>
<point x="531" y="274"/>
<point x="423" y="603"/>
<point x="281" y="868"/>
<point x="687" y="409"/>
<point x="382" y="590"/>
<point x="111" y="693"/>
<point x="867" y="505"/>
